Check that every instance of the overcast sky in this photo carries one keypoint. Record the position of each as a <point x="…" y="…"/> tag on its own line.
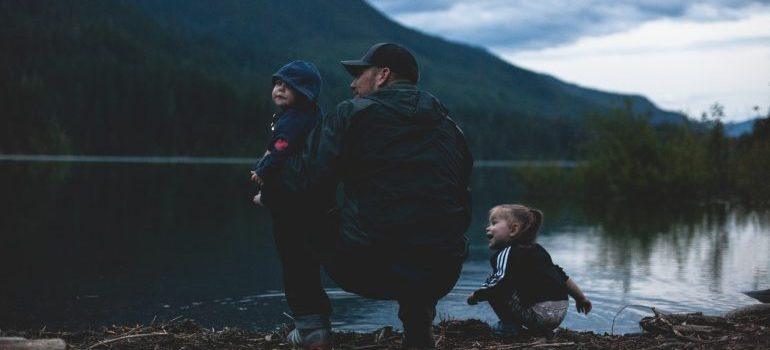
<point x="684" y="55"/>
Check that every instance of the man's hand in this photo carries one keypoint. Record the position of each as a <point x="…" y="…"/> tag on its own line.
<point x="256" y="178"/>
<point x="258" y="199"/>
<point x="583" y="306"/>
<point x="472" y="299"/>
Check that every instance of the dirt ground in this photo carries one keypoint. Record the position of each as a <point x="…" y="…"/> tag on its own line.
<point x="750" y="330"/>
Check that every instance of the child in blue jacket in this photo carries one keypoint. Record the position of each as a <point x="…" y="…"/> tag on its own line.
<point x="305" y="218"/>
<point x="296" y="87"/>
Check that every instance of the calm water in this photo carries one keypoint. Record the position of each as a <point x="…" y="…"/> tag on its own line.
<point x="86" y="245"/>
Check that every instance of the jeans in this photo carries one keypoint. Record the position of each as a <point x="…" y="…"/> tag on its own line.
<point x="415" y="279"/>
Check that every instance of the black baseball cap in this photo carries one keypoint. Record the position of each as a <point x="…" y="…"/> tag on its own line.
<point x="396" y="57"/>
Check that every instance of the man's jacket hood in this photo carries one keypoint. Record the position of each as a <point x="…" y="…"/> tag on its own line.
<point x="406" y="100"/>
<point x="303" y="77"/>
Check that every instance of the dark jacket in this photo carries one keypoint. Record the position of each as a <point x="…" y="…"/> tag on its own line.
<point x="527" y="271"/>
<point x="290" y="128"/>
<point x="288" y="132"/>
<point x="405" y="169"/>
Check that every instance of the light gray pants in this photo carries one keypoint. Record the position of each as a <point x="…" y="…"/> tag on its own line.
<point x="543" y="316"/>
<point x="547" y="315"/>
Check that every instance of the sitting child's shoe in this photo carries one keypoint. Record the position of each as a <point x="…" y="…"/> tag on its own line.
<point x="311" y="339"/>
<point x="312" y="332"/>
<point x="506" y="330"/>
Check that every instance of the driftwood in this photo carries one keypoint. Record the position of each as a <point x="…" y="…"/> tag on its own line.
<point x="104" y="342"/>
<point x="661" y="331"/>
<point x="747" y="326"/>
<point x="749" y="310"/>
<point x="18" y="343"/>
<point x="684" y="328"/>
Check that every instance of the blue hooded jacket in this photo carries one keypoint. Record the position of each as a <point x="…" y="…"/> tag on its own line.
<point x="302" y="77"/>
<point x="290" y="128"/>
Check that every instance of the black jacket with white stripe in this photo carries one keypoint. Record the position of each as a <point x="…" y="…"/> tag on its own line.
<point x="527" y="271"/>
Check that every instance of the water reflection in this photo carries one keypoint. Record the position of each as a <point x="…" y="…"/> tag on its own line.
<point x="89" y="245"/>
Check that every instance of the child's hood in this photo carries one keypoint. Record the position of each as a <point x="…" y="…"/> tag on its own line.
<point x="303" y="77"/>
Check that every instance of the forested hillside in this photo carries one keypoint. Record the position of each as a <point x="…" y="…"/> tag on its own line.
<point x="192" y="77"/>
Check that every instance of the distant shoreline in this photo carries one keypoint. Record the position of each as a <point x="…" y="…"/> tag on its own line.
<point x="64" y="158"/>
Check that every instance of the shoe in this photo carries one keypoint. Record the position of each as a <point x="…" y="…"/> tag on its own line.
<point x="311" y="332"/>
<point x="417" y="344"/>
<point x="311" y="339"/>
<point x="418" y="338"/>
<point x="506" y="330"/>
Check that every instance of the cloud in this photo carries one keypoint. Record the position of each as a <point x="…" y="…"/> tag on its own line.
<point x="398" y="7"/>
<point x="528" y="25"/>
<point x="679" y="65"/>
<point x="661" y="36"/>
<point x="684" y="55"/>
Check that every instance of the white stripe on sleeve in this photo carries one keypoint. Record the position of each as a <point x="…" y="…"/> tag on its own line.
<point x="504" y="259"/>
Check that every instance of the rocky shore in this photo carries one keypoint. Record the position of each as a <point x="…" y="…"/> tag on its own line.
<point x="747" y="328"/>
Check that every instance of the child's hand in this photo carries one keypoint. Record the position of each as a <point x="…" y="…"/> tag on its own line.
<point x="472" y="299"/>
<point x="583" y="306"/>
<point x="256" y="178"/>
<point x="258" y="199"/>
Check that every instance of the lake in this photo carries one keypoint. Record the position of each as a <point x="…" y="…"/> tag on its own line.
<point x="92" y="244"/>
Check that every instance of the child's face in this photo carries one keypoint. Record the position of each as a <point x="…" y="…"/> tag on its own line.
<point x="283" y="95"/>
<point x="500" y="233"/>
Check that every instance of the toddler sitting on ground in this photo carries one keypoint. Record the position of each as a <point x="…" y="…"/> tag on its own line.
<point x="525" y="287"/>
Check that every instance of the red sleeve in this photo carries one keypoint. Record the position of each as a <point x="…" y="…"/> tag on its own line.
<point x="281" y="144"/>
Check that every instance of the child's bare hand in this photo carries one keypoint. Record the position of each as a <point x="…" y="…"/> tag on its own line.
<point x="583" y="306"/>
<point x="256" y="178"/>
<point x="472" y="299"/>
<point x="258" y="199"/>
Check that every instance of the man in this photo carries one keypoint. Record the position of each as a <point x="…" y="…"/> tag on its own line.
<point x="404" y="168"/>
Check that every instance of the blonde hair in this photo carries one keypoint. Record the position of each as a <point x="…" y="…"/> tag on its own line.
<point x="529" y="220"/>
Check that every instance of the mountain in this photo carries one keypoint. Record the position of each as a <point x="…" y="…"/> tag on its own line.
<point x="192" y="77"/>
<point x="737" y="129"/>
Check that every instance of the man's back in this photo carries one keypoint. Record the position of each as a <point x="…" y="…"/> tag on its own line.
<point x="406" y="169"/>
